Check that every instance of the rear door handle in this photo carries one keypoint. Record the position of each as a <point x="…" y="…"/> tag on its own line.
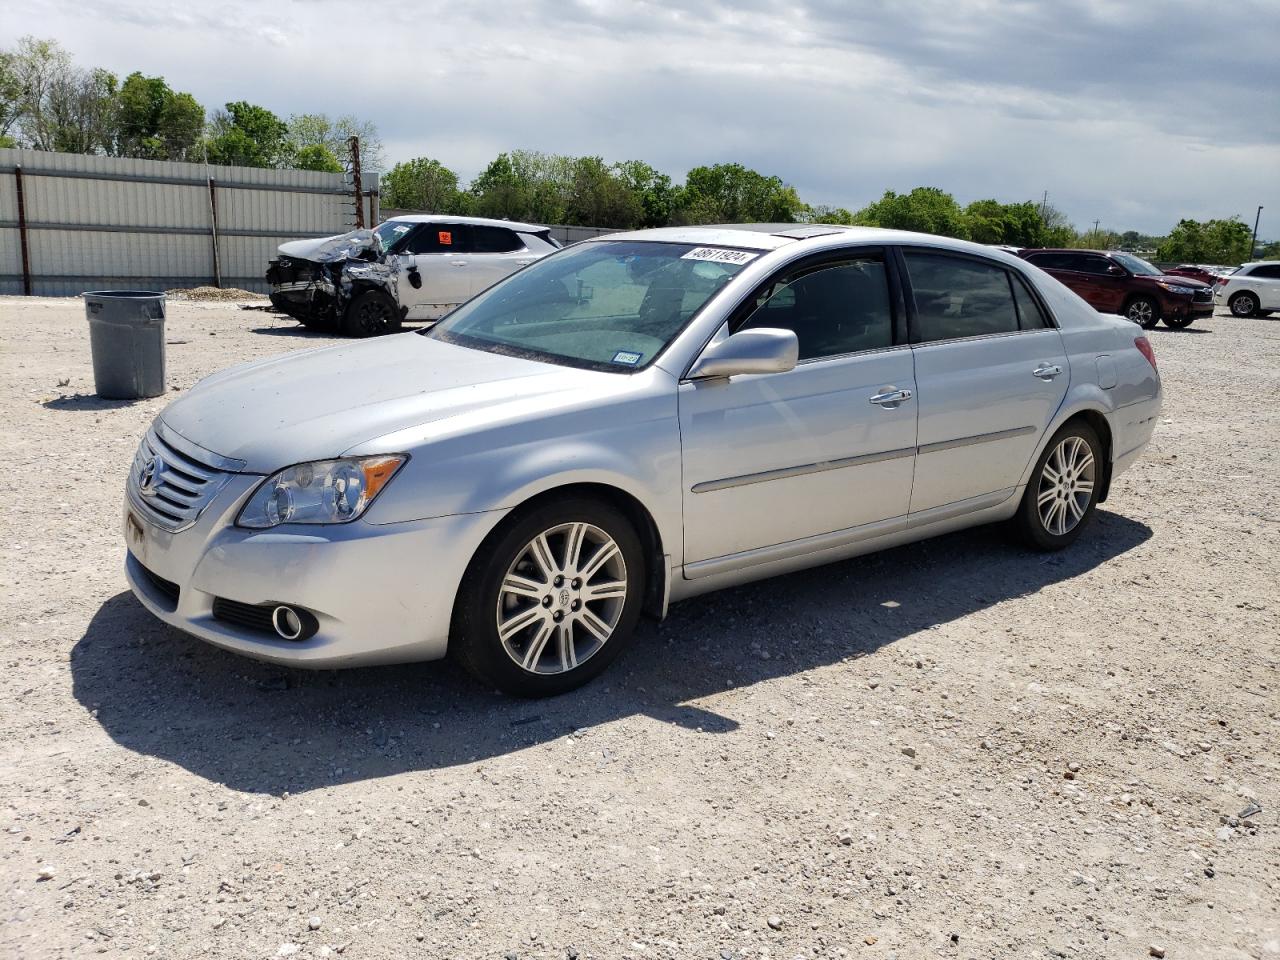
<point x="890" y="397"/>
<point x="1046" y="371"/>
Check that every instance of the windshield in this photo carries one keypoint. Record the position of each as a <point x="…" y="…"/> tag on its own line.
<point x="1136" y="265"/>
<point x="608" y="305"/>
<point x="389" y="232"/>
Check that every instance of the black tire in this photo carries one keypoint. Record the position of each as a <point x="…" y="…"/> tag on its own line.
<point x="1143" y="311"/>
<point x="1029" y="521"/>
<point x="1179" y="323"/>
<point x="474" y="638"/>
<point x="1243" y="304"/>
<point x="371" y="314"/>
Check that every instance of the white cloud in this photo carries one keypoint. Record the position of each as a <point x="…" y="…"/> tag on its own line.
<point x="1124" y="115"/>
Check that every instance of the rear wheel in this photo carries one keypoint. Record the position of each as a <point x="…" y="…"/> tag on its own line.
<point x="1063" y="491"/>
<point x="371" y="313"/>
<point x="551" y="598"/>
<point x="1243" y="304"/>
<point x="1143" y="311"/>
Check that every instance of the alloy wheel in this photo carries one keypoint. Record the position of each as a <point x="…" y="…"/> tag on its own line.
<point x="1066" y="486"/>
<point x="561" y="598"/>
<point x="1141" y="312"/>
<point x="1243" y="305"/>
<point x="374" y="316"/>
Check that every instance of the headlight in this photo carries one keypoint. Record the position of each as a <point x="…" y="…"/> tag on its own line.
<point x="1186" y="291"/>
<point x="325" y="491"/>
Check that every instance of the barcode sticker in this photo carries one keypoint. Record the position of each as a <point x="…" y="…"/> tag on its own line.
<point x="719" y="255"/>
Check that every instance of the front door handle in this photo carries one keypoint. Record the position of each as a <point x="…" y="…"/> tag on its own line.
<point x="890" y="397"/>
<point x="458" y="263"/>
<point x="1046" y="371"/>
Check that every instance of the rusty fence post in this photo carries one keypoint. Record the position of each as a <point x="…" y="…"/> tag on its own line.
<point x="213" y="233"/>
<point x="22" y="231"/>
<point x="354" y="144"/>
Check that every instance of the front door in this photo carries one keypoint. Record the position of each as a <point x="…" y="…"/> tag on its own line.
<point x="991" y="371"/>
<point x="434" y="272"/>
<point x="825" y="447"/>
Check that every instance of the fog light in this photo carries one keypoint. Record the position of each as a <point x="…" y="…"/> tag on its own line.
<point x="286" y="622"/>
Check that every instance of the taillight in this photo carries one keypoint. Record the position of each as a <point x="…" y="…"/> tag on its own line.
<point x="1144" y="347"/>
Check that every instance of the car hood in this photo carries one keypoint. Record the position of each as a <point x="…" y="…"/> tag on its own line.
<point x="318" y="404"/>
<point x="345" y="246"/>
<point x="1179" y="280"/>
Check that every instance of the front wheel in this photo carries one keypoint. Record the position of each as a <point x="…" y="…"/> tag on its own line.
<point x="1143" y="311"/>
<point x="1063" y="491"/>
<point x="370" y="314"/>
<point x="551" y="598"/>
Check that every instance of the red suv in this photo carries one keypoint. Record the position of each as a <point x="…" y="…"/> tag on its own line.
<point x="1122" y="283"/>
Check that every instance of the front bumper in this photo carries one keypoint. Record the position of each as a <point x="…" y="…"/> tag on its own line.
<point x="381" y="593"/>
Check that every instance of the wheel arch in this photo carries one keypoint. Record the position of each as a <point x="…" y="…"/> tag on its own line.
<point x="657" y="566"/>
<point x="1092" y="411"/>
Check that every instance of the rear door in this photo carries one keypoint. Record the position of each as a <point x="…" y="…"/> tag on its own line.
<point x="826" y="447"/>
<point x="991" y="372"/>
<point x="494" y="253"/>
<point x="1107" y="281"/>
<point x="1266" y="280"/>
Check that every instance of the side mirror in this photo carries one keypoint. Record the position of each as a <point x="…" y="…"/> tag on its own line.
<point x="1116" y="271"/>
<point x="764" y="350"/>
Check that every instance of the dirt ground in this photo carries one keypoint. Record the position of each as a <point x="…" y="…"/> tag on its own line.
<point x="953" y="749"/>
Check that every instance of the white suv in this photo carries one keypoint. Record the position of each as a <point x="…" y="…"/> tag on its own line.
<point x="408" y="268"/>
<point x="1253" y="290"/>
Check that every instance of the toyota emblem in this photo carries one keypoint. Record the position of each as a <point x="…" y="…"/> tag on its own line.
<point x="149" y="477"/>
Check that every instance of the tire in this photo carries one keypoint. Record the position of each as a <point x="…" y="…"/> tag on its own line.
<point x="371" y="314"/>
<point x="1179" y="323"/>
<point x="1243" y="304"/>
<point x="1058" y="523"/>
<point x="524" y="623"/>
<point x="1143" y="311"/>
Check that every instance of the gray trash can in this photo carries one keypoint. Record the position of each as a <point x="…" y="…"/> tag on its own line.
<point x="126" y="335"/>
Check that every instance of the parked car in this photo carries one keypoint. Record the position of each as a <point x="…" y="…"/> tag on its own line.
<point x="1205" y="273"/>
<point x="1124" y="284"/>
<point x="1251" y="291"/>
<point x="633" y="420"/>
<point x="413" y="267"/>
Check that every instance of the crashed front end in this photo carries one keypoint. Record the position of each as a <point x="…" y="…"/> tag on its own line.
<point x="314" y="281"/>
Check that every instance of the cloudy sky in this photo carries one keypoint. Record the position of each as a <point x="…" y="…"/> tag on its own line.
<point x="1135" y="112"/>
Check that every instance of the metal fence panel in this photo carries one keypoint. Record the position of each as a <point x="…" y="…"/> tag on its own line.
<point x="101" y="222"/>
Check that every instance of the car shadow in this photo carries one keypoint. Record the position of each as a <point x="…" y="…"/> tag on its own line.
<point x="292" y="331"/>
<point x="261" y="728"/>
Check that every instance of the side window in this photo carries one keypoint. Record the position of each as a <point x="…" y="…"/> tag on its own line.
<point x="836" y="309"/>
<point x="1052" y="261"/>
<point x="958" y="298"/>
<point x="1030" y="316"/>
<point x="436" y="238"/>
<point x="494" y="240"/>
<point x="1095" y="265"/>
<point x="1268" y="272"/>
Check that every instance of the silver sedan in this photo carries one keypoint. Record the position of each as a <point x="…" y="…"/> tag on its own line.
<point x="631" y="421"/>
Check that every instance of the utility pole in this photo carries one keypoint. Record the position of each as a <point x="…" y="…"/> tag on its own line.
<point x="1095" y="230"/>
<point x="1253" y="242"/>
<point x="354" y="144"/>
<point x="1044" y="204"/>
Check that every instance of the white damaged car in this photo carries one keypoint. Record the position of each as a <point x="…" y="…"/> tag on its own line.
<point x="418" y="267"/>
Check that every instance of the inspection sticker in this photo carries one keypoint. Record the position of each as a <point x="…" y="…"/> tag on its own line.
<point x="717" y="255"/>
<point x="627" y="357"/>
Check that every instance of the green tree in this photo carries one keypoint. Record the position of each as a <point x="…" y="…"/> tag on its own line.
<point x="1058" y="229"/>
<point x="652" y="190"/>
<point x="732" y="193"/>
<point x="247" y="135"/>
<point x="1018" y="224"/>
<point x="58" y="105"/>
<point x="823" y="213"/>
<point x="599" y="197"/>
<point x="924" y="209"/>
<point x="1213" y="241"/>
<point x="524" y="185"/>
<point x="317" y="157"/>
<point x="155" y="122"/>
<point x="11" y="94"/>
<point x="421" y="184"/>
<point x="318" y="130"/>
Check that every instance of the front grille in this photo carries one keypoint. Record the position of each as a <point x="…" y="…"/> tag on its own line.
<point x="250" y="615"/>
<point x="172" y="486"/>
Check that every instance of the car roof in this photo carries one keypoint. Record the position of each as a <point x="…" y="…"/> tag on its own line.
<point x="478" y="221"/>
<point x="772" y="236"/>
<point x="1101" y="253"/>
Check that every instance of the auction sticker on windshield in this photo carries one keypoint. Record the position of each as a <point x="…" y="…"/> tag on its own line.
<point x="717" y="255"/>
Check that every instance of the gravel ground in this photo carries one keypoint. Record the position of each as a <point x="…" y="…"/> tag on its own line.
<point x="953" y="749"/>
